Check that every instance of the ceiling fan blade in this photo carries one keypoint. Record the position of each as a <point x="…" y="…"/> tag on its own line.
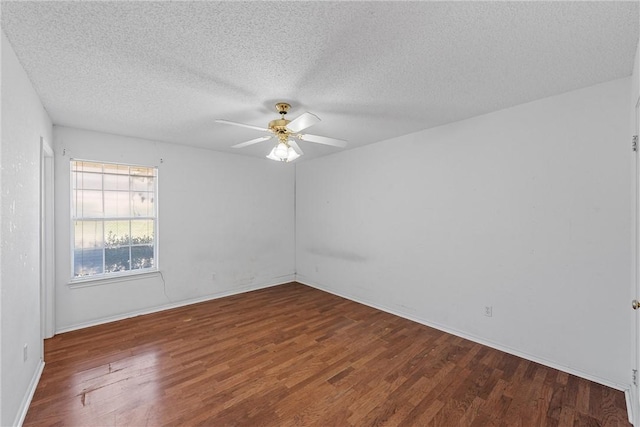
<point x="303" y="121"/>
<point x="323" y="140"/>
<point x="251" y="142"/>
<point x="295" y="147"/>
<point x="227" y="122"/>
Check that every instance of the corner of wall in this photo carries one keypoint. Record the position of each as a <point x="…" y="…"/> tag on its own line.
<point x="24" y="122"/>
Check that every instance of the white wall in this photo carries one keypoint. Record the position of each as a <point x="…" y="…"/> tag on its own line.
<point x="219" y="214"/>
<point x="526" y="210"/>
<point x="24" y="121"/>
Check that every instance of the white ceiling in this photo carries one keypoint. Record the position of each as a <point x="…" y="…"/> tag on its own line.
<point x="370" y="70"/>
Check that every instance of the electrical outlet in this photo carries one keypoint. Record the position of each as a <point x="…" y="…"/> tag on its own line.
<point x="488" y="311"/>
<point x="213" y="276"/>
<point x="25" y="353"/>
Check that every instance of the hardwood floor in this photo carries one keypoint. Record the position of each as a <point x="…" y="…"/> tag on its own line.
<point x="292" y="355"/>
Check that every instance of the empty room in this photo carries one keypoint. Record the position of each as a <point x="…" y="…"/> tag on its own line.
<point x="319" y="213"/>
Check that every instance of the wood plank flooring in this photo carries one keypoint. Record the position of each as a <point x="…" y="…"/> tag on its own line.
<point x="295" y="356"/>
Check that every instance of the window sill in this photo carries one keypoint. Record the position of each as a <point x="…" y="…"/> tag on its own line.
<point x="99" y="281"/>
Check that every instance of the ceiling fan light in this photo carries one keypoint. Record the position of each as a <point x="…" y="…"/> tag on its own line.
<point x="272" y="155"/>
<point x="292" y="155"/>
<point x="282" y="153"/>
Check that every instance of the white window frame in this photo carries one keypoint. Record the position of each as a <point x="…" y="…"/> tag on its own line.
<point x="116" y="276"/>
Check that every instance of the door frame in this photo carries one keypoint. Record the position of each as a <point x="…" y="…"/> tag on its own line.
<point x="47" y="267"/>
<point x="634" y="398"/>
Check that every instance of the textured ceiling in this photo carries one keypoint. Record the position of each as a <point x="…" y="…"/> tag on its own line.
<point x="370" y="70"/>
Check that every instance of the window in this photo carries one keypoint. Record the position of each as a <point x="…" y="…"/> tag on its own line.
<point x="113" y="219"/>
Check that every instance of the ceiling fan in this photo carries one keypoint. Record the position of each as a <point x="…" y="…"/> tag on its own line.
<point x="287" y="131"/>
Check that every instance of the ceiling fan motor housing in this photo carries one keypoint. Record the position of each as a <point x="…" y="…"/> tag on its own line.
<point x="279" y="126"/>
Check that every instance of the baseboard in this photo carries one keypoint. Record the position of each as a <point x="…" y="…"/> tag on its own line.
<point x="628" y="396"/>
<point x="209" y="297"/>
<point x="26" y="402"/>
<point x="470" y="337"/>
